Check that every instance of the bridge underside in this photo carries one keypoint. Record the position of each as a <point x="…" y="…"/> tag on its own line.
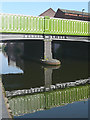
<point x="48" y="58"/>
<point x="16" y="37"/>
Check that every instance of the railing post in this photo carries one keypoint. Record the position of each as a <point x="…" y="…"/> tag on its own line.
<point x="46" y="24"/>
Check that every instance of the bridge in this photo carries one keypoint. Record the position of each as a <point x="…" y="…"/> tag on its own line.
<point x="11" y="23"/>
<point x="23" y="27"/>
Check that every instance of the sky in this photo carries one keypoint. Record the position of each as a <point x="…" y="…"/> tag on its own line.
<point x="36" y="8"/>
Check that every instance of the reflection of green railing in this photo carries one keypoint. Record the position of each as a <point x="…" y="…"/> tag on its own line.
<point x="40" y="101"/>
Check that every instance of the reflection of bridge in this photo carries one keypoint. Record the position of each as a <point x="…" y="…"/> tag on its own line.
<point x="48" y="87"/>
<point x="21" y="27"/>
<point x="36" y="102"/>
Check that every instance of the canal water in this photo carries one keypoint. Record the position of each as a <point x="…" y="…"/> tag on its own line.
<point x="22" y="71"/>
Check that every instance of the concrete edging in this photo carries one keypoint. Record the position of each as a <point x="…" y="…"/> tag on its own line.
<point x="5" y="103"/>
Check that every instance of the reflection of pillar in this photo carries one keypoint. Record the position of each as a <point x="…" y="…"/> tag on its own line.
<point x="47" y="49"/>
<point x="48" y="70"/>
<point x="48" y="77"/>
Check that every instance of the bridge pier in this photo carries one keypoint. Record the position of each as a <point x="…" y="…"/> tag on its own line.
<point x="48" y="59"/>
<point x="47" y="49"/>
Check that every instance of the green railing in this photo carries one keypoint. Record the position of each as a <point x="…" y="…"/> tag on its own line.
<point x="40" y="101"/>
<point x="10" y="23"/>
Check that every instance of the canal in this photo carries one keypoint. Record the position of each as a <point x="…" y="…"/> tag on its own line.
<point x="32" y="88"/>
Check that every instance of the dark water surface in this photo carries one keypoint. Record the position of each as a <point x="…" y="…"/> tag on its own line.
<point x="20" y="72"/>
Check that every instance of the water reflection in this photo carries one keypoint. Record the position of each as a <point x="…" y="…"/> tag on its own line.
<point x="37" y="77"/>
<point x="48" y="70"/>
<point x="8" y="65"/>
<point x="21" y="105"/>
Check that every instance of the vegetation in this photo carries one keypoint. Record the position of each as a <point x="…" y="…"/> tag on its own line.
<point x="4" y="48"/>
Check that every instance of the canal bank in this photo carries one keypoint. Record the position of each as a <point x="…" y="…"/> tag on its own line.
<point x="4" y="111"/>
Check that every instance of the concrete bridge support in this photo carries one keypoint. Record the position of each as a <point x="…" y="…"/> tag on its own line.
<point x="48" y="58"/>
<point x="48" y="49"/>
